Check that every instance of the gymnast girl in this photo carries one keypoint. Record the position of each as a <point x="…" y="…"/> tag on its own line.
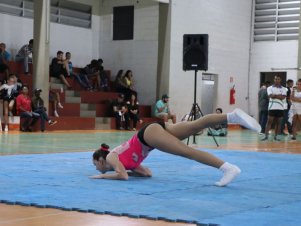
<point x="167" y="138"/>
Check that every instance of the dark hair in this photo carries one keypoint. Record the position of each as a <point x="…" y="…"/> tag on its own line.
<point x="103" y="151"/>
<point x="299" y="80"/>
<point x="289" y="81"/>
<point x="127" y="73"/>
<point x="67" y="53"/>
<point x="119" y="74"/>
<point x="59" y="52"/>
<point x="31" y="41"/>
<point x="219" y="109"/>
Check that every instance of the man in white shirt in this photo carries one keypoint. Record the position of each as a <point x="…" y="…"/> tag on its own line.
<point x="277" y="95"/>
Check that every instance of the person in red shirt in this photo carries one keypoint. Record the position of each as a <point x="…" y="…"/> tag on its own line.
<point x="25" y="111"/>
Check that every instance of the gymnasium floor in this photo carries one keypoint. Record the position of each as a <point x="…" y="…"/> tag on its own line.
<point x="15" y="143"/>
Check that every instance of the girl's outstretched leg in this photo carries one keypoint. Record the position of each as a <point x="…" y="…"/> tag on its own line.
<point x="183" y="130"/>
<point x="159" y="138"/>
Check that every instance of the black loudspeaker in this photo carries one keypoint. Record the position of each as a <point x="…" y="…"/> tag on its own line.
<point x="195" y="52"/>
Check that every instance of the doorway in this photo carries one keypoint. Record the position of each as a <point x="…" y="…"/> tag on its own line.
<point x="269" y="77"/>
<point x="208" y="93"/>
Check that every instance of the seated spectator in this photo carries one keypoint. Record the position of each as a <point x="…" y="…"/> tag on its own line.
<point x="25" y="111"/>
<point x="129" y="85"/>
<point x="91" y="71"/>
<point x="38" y="107"/>
<point x="104" y="82"/>
<point x="162" y="109"/>
<point x="120" y="85"/>
<point x="9" y="92"/>
<point x="25" y="55"/>
<point x="133" y="110"/>
<point x="120" y="112"/>
<point x="58" y="68"/>
<point x="218" y="130"/>
<point x="83" y="80"/>
<point x="4" y="58"/>
<point x="54" y="98"/>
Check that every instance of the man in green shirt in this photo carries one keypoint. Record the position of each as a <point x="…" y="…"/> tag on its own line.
<point x="162" y="109"/>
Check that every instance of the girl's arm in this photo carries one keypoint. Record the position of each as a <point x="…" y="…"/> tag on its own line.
<point x="142" y="171"/>
<point x="120" y="172"/>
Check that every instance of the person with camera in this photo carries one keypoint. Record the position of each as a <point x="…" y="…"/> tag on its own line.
<point x="4" y="58"/>
<point x="120" y="112"/>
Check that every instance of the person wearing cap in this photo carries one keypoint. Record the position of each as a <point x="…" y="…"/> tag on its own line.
<point x="38" y="107"/>
<point x="162" y="109"/>
<point x="120" y="112"/>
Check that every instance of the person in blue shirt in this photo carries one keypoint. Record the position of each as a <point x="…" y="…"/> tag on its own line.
<point x="4" y="58"/>
<point x="162" y="109"/>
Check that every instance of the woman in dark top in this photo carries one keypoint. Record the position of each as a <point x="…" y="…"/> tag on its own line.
<point x="133" y="110"/>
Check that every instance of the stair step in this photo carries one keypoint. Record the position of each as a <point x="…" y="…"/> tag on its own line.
<point x="87" y="113"/>
<point x="88" y="107"/>
<point x="73" y="100"/>
<point x="103" y="123"/>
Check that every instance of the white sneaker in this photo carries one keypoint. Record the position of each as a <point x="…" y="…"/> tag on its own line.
<point x="6" y="128"/>
<point x="242" y="118"/>
<point x="56" y="114"/>
<point x="230" y="173"/>
<point x="60" y="105"/>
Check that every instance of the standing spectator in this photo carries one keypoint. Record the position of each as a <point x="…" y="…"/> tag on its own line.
<point x="58" y="68"/>
<point x="162" y="109"/>
<point x="38" y="107"/>
<point x="287" y="106"/>
<point x="4" y="58"/>
<point x="54" y="97"/>
<point x="277" y="95"/>
<point x="296" y="108"/>
<point x="25" y="55"/>
<point x="120" y="112"/>
<point x="25" y="111"/>
<point x="133" y="110"/>
<point x="263" y="105"/>
<point x="9" y="92"/>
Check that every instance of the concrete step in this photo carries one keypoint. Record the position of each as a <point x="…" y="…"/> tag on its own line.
<point x="88" y="107"/>
<point x="87" y="114"/>
<point x="103" y="123"/>
<point x="73" y="100"/>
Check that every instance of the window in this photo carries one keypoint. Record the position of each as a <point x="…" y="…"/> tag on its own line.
<point x="123" y="23"/>
<point x="62" y="11"/>
<point x="276" y="20"/>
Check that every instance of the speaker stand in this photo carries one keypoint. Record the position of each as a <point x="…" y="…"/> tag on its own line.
<point x="196" y="108"/>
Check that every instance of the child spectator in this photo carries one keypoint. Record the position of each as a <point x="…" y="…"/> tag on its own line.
<point x="25" y="111"/>
<point x="133" y="110"/>
<point x="38" y="107"/>
<point x="25" y="55"/>
<point x="9" y="92"/>
<point x="58" y="68"/>
<point x="4" y="58"/>
<point x="54" y="97"/>
<point x="120" y="112"/>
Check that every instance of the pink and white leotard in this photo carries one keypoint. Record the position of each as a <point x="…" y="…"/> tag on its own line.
<point x="132" y="152"/>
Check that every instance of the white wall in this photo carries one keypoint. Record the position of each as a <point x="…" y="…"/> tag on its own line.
<point x="139" y="55"/>
<point x="228" y="25"/>
<point x="268" y="55"/>
<point x="81" y="42"/>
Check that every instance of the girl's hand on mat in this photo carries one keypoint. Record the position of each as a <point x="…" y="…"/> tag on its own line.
<point x="100" y="176"/>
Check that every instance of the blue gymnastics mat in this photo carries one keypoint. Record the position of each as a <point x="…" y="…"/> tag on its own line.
<point x="268" y="192"/>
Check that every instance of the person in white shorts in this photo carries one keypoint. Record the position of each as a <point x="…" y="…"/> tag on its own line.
<point x="296" y="107"/>
<point x="277" y="95"/>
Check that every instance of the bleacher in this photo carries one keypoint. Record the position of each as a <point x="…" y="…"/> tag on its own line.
<point x="83" y="110"/>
